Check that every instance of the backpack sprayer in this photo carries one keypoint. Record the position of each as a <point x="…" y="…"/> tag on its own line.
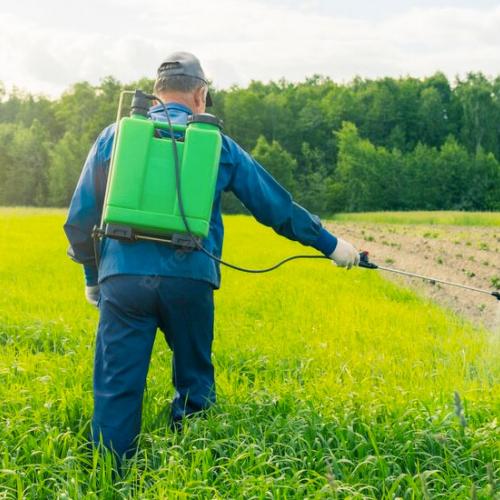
<point x="152" y="195"/>
<point x="143" y="198"/>
<point x="156" y="196"/>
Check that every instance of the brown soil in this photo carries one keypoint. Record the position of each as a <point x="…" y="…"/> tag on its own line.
<point x="467" y="255"/>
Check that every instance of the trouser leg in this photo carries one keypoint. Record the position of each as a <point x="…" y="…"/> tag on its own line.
<point x="187" y="318"/>
<point x="125" y="337"/>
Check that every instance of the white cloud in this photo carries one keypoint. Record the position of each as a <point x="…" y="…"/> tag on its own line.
<point x="237" y="42"/>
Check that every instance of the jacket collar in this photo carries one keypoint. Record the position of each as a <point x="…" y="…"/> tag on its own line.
<point x="171" y="106"/>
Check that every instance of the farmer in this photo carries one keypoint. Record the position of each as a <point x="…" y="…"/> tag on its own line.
<point x="142" y="286"/>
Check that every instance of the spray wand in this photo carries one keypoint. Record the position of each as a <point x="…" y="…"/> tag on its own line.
<point x="364" y="262"/>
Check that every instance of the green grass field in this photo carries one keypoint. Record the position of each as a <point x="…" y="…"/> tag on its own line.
<point x="445" y="218"/>
<point x="331" y="384"/>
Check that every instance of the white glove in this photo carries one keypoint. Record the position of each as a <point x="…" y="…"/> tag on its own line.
<point x="345" y="255"/>
<point x="92" y="294"/>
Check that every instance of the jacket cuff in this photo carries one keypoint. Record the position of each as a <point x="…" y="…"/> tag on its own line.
<point x="91" y="274"/>
<point x="326" y="242"/>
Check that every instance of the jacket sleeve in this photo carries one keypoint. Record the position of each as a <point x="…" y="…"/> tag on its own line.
<point x="272" y="205"/>
<point x="85" y="212"/>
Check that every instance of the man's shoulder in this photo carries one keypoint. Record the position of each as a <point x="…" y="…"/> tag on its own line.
<point x="104" y="143"/>
<point x="231" y="151"/>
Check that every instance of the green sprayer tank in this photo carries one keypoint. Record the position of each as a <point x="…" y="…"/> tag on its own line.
<point x="141" y="197"/>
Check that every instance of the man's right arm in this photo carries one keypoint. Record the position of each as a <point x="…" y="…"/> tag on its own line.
<point x="272" y="205"/>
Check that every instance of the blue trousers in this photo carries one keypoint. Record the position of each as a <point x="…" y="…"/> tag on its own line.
<point x="132" y="308"/>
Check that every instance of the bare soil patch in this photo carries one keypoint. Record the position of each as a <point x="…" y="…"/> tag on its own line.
<point x="468" y="255"/>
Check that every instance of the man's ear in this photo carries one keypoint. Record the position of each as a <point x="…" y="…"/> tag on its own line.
<point x="199" y="98"/>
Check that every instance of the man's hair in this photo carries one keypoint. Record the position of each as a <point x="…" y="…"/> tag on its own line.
<point x="177" y="83"/>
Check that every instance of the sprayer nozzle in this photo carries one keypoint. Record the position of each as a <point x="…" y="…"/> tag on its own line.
<point x="496" y="294"/>
<point x="364" y="261"/>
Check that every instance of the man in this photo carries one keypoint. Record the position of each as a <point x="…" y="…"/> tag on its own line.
<point x="143" y="286"/>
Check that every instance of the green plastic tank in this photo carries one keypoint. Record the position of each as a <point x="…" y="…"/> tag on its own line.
<point x="142" y="194"/>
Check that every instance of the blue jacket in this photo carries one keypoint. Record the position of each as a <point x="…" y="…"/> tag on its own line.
<point x="267" y="200"/>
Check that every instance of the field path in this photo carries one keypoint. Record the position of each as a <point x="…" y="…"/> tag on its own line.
<point x="468" y="255"/>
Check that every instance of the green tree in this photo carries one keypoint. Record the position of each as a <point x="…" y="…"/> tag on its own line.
<point x="243" y="117"/>
<point x="433" y="120"/>
<point x="66" y="162"/>
<point x="7" y="133"/>
<point x="367" y="177"/>
<point x="420" y="189"/>
<point x="312" y="180"/>
<point x="481" y="115"/>
<point x="24" y="160"/>
<point x="277" y="161"/>
<point x="451" y="174"/>
<point x="483" y="183"/>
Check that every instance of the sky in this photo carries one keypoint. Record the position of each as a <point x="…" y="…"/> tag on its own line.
<point x="46" y="45"/>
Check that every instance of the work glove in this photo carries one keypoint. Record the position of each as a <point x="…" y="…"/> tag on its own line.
<point x="345" y="255"/>
<point x="92" y="294"/>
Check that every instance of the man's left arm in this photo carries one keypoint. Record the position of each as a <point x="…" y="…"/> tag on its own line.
<point x="84" y="213"/>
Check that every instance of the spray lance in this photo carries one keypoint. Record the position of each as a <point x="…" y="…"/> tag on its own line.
<point x="365" y="263"/>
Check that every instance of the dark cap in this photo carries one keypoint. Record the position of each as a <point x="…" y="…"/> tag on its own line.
<point x="184" y="64"/>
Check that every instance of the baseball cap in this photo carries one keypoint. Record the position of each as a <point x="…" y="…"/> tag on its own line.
<point x="184" y="64"/>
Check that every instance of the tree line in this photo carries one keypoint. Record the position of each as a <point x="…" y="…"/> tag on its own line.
<point x="384" y="144"/>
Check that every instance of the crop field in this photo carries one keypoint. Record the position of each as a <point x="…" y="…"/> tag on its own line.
<point x="331" y="383"/>
<point x="429" y="218"/>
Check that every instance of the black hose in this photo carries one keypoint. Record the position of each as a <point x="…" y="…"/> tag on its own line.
<point x="195" y="240"/>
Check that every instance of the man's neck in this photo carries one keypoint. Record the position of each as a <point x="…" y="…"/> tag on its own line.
<point x="177" y="98"/>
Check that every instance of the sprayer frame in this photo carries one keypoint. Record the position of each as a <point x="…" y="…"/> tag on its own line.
<point x="184" y="242"/>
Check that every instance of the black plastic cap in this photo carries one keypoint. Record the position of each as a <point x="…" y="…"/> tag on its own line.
<point x="205" y="118"/>
<point x="140" y="104"/>
<point x="364" y="261"/>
